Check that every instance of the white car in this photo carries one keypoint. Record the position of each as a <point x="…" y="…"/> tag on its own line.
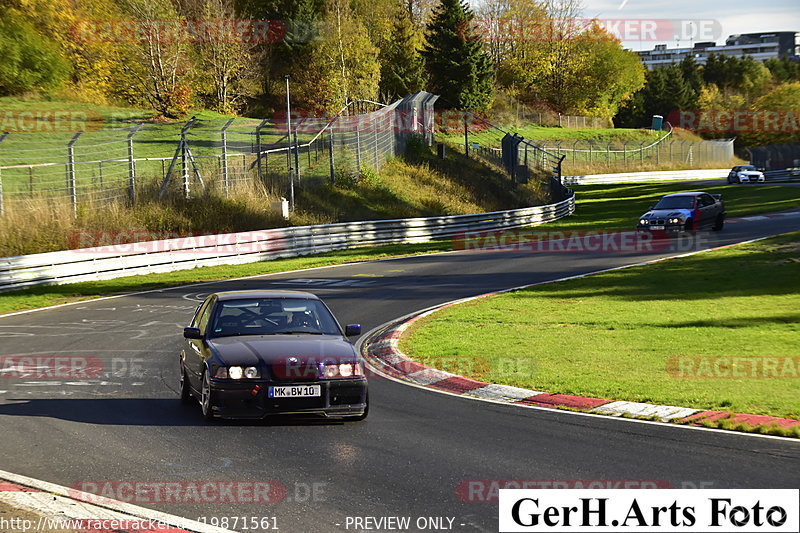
<point x="745" y="174"/>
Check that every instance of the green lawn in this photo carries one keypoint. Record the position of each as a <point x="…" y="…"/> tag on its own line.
<point x="624" y="335"/>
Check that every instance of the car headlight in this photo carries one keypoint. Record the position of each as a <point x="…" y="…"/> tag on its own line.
<point x="675" y="221"/>
<point x="238" y="372"/>
<point x="221" y="372"/>
<point x="341" y="370"/>
<point x="644" y="222"/>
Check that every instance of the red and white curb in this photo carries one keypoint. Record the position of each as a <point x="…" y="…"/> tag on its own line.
<point x="62" y="508"/>
<point x="381" y="350"/>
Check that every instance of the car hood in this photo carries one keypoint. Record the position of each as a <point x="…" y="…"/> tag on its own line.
<point x="667" y="213"/>
<point x="750" y="172"/>
<point x="267" y="349"/>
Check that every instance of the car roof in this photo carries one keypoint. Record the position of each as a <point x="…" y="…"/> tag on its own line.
<point x="694" y="193"/>
<point x="244" y="295"/>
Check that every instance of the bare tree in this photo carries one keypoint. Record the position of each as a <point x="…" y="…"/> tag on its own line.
<point x="156" y="57"/>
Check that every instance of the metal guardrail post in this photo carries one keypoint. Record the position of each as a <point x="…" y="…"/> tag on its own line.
<point x="71" y="184"/>
<point x="224" y="160"/>
<point x="2" y="207"/>
<point x="131" y="166"/>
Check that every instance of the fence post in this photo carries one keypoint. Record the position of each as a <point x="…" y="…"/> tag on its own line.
<point x="608" y="153"/>
<point x="466" y="136"/>
<point x="375" y="135"/>
<point x="131" y="166"/>
<point x="71" y="185"/>
<point x="224" y="160"/>
<point x="658" y="153"/>
<point x="258" y="149"/>
<point x="2" y="208"/>
<point x="670" y="151"/>
<point x="641" y="153"/>
<point x="330" y="153"/>
<point x="358" y="143"/>
<point x="625" y="153"/>
<point x="296" y="156"/>
<point x="591" y="145"/>
<point x="100" y="169"/>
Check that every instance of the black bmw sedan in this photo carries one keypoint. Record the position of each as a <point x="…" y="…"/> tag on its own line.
<point x="251" y="354"/>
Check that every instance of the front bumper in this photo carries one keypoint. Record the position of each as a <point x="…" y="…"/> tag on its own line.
<point x="663" y="229"/>
<point x="250" y="399"/>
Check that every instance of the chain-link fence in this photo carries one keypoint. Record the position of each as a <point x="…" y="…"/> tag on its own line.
<point x="550" y="118"/>
<point x="118" y="164"/>
<point x="631" y="154"/>
<point x="775" y="156"/>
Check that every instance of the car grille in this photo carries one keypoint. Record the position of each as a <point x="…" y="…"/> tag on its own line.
<point x="659" y="222"/>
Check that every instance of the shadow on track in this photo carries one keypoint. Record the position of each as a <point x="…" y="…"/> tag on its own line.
<point x="138" y="412"/>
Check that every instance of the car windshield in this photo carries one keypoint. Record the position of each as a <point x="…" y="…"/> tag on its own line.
<point x="676" y="202"/>
<point x="747" y="167"/>
<point x="272" y="316"/>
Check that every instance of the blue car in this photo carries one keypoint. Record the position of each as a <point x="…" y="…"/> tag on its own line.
<point x="684" y="212"/>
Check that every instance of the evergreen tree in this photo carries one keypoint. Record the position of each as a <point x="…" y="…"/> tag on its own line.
<point x="460" y="71"/>
<point x="402" y="67"/>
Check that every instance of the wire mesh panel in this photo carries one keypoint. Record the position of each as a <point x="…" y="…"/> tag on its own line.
<point x="206" y="155"/>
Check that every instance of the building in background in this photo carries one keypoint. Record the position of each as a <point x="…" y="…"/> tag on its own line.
<point x="760" y="46"/>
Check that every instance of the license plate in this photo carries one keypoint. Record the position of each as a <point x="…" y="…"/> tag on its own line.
<point x="296" y="391"/>
<point x="656" y="227"/>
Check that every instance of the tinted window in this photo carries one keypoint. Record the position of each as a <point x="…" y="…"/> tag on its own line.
<point x="676" y="202"/>
<point x="707" y="200"/>
<point x="273" y="316"/>
<point x="205" y="315"/>
<point x="203" y="307"/>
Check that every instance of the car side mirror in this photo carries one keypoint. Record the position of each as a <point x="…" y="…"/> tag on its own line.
<point x="351" y="330"/>
<point x="192" y="333"/>
<point x="651" y="208"/>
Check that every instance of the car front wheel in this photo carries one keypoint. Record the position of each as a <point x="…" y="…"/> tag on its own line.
<point x="186" y="393"/>
<point x="205" y="398"/>
<point x="719" y="223"/>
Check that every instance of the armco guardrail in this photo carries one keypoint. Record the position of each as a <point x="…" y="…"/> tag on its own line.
<point x="787" y="174"/>
<point x="99" y="263"/>
<point x="640" y="177"/>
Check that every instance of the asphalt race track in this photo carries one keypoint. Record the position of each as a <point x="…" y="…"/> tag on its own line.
<point x="407" y="459"/>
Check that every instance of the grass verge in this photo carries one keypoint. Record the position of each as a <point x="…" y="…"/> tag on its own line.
<point x="670" y="333"/>
<point x="619" y="206"/>
<point x="599" y="207"/>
